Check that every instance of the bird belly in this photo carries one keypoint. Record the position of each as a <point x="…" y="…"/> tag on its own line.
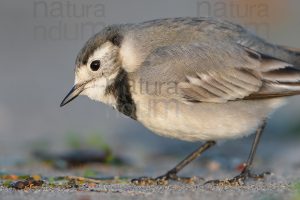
<point x="204" y="121"/>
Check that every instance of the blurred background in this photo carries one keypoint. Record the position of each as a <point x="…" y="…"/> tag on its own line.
<point x="39" y="41"/>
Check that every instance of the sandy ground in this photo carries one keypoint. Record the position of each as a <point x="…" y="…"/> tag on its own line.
<point x="284" y="182"/>
<point x="251" y="191"/>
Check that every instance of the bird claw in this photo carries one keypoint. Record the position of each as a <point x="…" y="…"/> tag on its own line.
<point x="163" y="180"/>
<point x="238" y="180"/>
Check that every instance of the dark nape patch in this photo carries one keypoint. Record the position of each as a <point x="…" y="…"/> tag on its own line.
<point x="117" y="40"/>
<point x="121" y="91"/>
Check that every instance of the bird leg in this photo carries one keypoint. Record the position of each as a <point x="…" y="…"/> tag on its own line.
<point x="172" y="174"/>
<point x="246" y="173"/>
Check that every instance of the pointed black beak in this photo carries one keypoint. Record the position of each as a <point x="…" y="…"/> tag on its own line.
<point x="75" y="92"/>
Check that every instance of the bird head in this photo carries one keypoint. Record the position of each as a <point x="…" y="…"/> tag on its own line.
<point x="97" y="65"/>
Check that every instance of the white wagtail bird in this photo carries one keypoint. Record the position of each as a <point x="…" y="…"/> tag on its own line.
<point x="193" y="79"/>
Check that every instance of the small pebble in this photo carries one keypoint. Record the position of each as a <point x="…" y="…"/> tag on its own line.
<point x="30" y="182"/>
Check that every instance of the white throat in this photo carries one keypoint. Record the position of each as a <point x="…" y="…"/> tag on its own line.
<point x="96" y="90"/>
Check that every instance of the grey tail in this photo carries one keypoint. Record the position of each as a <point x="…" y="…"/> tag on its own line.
<point x="280" y="74"/>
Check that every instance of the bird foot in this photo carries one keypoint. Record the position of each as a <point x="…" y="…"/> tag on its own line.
<point x="164" y="180"/>
<point x="239" y="180"/>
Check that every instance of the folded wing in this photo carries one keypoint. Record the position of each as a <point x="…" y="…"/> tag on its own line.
<point x="219" y="72"/>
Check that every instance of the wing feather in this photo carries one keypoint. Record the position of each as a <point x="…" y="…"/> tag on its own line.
<point x="225" y="85"/>
<point x="219" y="72"/>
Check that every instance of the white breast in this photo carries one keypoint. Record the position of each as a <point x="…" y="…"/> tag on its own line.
<point x="203" y="121"/>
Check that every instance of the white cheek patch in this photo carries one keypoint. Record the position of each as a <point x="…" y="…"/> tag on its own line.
<point x="96" y="89"/>
<point x="83" y="73"/>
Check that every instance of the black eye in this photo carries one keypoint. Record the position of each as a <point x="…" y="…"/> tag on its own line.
<point x="95" y="65"/>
